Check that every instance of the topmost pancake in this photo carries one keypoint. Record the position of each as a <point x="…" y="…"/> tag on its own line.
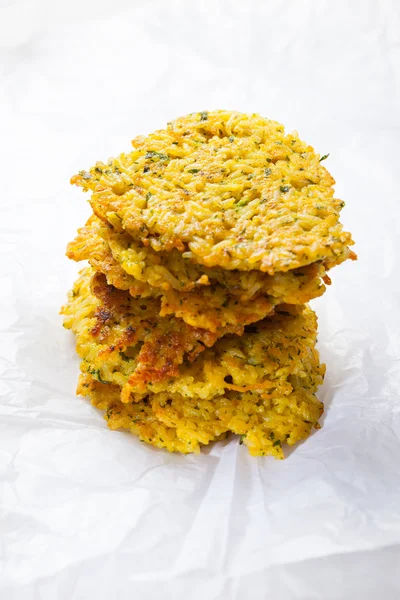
<point x="226" y="189"/>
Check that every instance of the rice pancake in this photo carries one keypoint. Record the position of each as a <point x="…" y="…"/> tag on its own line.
<point x="122" y="338"/>
<point x="171" y="271"/>
<point x="266" y="419"/>
<point x="122" y="341"/>
<point x="208" y="298"/>
<point x="89" y="245"/>
<point x="225" y="189"/>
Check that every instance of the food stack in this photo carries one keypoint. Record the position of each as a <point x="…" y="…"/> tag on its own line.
<point x="205" y="244"/>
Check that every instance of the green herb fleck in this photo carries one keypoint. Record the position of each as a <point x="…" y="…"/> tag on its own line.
<point x="242" y="202"/>
<point x="324" y="157"/>
<point x="154" y="155"/>
<point x="268" y="172"/>
<point x="277" y="443"/>
<point x="204" y="115"/>
<point x="193" y="170"/>
<point x="284" y="188"/>
<point x="96" y="375"/>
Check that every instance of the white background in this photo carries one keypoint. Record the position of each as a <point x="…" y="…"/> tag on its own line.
<point x="86" y="512"/>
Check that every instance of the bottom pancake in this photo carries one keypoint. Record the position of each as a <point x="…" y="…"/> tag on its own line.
<point x="269" y="402"/>
<point x="265" y="422"/>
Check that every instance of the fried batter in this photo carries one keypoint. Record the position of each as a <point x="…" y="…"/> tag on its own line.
<point x="226" y="190"/>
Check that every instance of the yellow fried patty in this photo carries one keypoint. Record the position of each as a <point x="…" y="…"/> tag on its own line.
<point x="226" y="190"/>
<point x="203" y="297"/>
<point x="280" y="409"/>
<point x="210" y="307"/>
<point x="122" y="338"/>
<point x="122" y="341"/>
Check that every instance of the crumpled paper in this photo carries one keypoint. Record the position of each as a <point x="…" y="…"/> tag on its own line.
<point x="87" y="512"/>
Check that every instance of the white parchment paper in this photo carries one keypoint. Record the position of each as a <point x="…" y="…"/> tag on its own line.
<point x="86" y="512"/>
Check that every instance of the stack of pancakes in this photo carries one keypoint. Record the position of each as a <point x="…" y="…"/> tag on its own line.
<point x="205" y="244"/>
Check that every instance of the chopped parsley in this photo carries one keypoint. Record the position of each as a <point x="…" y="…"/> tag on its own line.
<point x="242" y="202"/>
<point x="156" y="155"/>
<point x="96" y="375"/>
<point x="324" y="157"/>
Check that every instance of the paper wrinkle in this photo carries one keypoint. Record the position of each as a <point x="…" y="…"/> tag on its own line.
<point x="88" y="511"/>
